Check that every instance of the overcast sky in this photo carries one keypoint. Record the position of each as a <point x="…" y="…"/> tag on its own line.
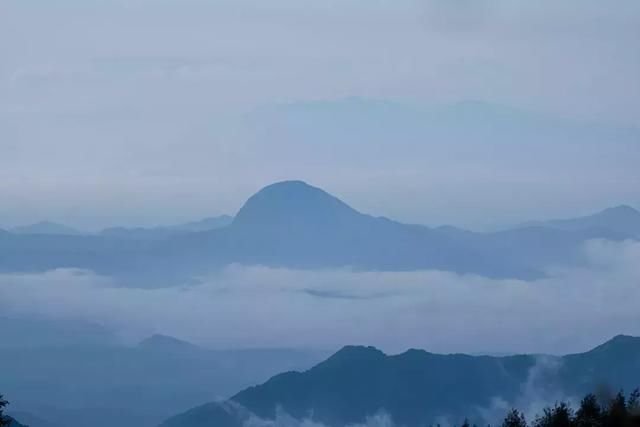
<point x="141" y="111"/>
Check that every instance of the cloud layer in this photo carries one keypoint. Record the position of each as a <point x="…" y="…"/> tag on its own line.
<point x="439" y="311"/>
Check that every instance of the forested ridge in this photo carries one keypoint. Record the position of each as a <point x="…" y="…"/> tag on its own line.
<point x="595" y="410"/>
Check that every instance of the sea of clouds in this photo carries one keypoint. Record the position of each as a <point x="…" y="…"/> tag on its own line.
<point x="252" y="306"/>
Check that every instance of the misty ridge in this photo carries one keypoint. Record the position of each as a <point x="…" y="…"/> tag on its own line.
<point x="294" y="225"/>
<point x="363" y="386"/>
<point x="294" y="251"/>
<point x="243" y="312"/>
<point x="319" y="213"/>
<point x="147" y="323"/>
<point x="355" y="386"/>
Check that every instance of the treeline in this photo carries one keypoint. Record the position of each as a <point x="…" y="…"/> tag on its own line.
<point x="4" y="421"/>
<point x="594" y="411"/>
<point x="617" y="411"/>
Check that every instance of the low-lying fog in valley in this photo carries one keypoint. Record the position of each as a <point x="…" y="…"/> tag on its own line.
<point x="319" y="213"/>
<point x="253" y="306"/>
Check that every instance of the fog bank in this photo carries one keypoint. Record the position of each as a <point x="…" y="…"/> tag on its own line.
<point x="569" y="311"/>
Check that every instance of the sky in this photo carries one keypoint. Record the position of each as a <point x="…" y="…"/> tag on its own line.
<point x="141" y="112"/>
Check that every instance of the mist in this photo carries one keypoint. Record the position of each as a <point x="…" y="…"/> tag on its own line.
<point x="569" y="311"/>
<point x="247" y="214"/>
<point x="131" y="112"/>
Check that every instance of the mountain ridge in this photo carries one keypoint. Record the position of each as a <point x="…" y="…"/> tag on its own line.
<point x="46" y="227"/>
<point x="289" y="201"/>
<point x="294" y="225"/>
<point x="621" y="219"/>
<point x="358" y="381"/>
<point x="142" y="383"/>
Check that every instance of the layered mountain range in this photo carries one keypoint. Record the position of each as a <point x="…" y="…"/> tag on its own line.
<point x="292" y="224"/>
<point x="68" y="373"/>
<point x="418" y="388"/>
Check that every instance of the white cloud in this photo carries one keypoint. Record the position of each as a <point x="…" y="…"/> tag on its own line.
<point x="439" y="311"/>
<point x="282" y="419"/>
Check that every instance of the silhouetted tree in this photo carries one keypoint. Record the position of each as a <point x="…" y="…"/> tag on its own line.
<point x="614" y="411"/>
<point x="514" y="418"/>
<point x="633" y="407"/>
<point x="633" y="403"/>
<point x="617" y="414"/>
<point x="590" y="413"/>
<point x="4" y="421"/>
<point x="560" y="415"/>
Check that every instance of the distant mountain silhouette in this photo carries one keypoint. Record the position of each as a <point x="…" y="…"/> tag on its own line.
<point x="623" y="220"/>
<point x="163" y="232"/>
<point x="417" y="387"/>
<point x="292" y="204"/>
<point x="46" y="227"/>
<point x="169" y="345"/>
<point x="618" y="344"/>
<point x="393" y="134"/>
<point x="219" y="414"/>
<point x="205" y="224"/>
<point x="139" y="384"/>
<point x="294" y="225"/>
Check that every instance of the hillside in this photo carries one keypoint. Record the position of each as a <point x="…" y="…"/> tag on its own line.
<point x="46" y="227"/>
<point x="622" y="220"/>
<point x="357" y="382"/>
<point x="141" y="384"/>
<point x="294" y="225"/>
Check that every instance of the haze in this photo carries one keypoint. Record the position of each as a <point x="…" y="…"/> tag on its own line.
<point x="319" y="213"/>
<point x="145" y="113"/>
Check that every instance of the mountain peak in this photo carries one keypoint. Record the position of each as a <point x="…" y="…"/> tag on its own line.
<point x="288" y="203"/>
<point x="621" y="210"/>
<point x="620" y="343"/>
<point x="622" y="220"/>
<point x="288" y="186"/>
<point x="355" y="354"/>
<point x="166" y="343"/>
<point x="623" y="340"/>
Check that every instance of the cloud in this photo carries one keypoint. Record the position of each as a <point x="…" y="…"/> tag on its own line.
<point x="283" y="419"/>
<point x="538" y="392"/>
<point x="440" y="311"/>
